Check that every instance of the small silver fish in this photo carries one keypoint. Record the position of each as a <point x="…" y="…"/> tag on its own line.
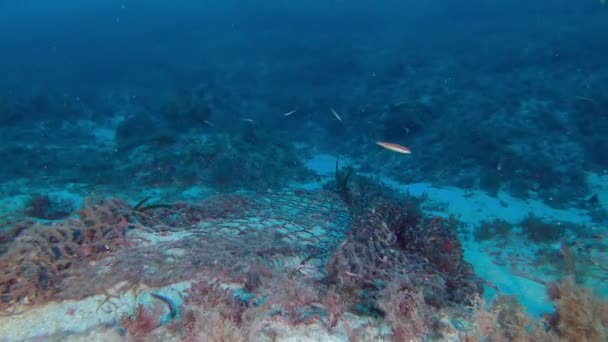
<point x="335" y="114"/>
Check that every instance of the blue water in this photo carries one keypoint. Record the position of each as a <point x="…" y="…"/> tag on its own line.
<point x="265" y="115"/>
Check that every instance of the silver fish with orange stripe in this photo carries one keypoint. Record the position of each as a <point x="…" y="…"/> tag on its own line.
<point x="394" y="147"/>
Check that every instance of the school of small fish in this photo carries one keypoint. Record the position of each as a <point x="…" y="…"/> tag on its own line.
<point x="387" y="145"/>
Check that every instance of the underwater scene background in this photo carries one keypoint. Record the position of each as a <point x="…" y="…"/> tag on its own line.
<point x="303" y="170"/>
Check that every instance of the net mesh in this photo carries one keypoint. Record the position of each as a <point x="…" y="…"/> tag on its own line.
<point x="234" y="238"/>
<point x="109" y="243"/>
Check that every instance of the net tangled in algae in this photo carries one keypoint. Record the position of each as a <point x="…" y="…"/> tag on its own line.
<point x="108" y="243"/>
